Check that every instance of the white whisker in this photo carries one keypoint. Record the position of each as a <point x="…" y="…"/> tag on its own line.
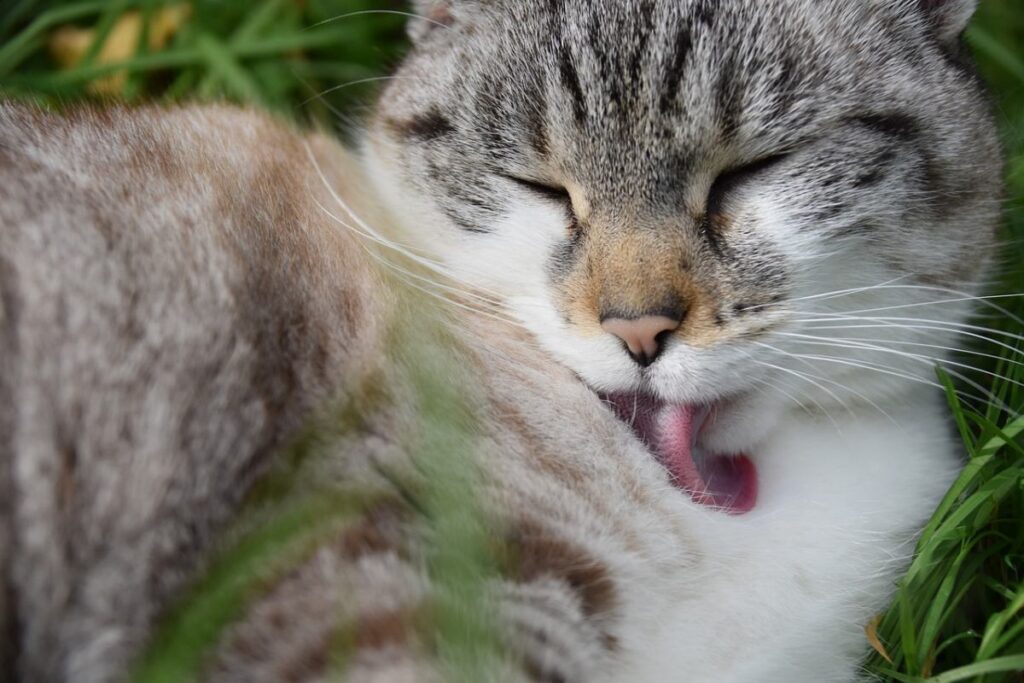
<point x="358" y="13"/>
<point x="812" y="381"/>
<point x="938" y="347"/>
<point x="839" y="385"/>
<point x="349" y="84"/>
<point x="986" y="395"/>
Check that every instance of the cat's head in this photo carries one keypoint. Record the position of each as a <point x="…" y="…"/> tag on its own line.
<point x="703" y="199"/>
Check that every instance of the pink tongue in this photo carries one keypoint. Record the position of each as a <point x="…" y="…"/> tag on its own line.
<point x="670" y="431"/>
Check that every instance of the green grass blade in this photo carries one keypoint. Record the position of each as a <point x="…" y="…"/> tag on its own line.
<point x="996" y="636"/>
<point x="12" y="53"/>
<point x="113" y="11"/>
<point x="181" y="645"/>
<point x="1012" y="664"/>
<point x="998" y="52"/>
<point x="222" y="63"/>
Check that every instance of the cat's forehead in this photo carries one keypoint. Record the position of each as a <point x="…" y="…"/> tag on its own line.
<point x="659" y="58"/>
<point x="654" y="93"/>
<point x="681" y="82"/>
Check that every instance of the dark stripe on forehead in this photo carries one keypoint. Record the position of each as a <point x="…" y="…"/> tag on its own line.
<point x="785" y="87"/>
<point x="427" y="126"/>
<point x="681" y="47"/>
<point x="894" y="124"/>
<point x="642" y="37"/>
<point x="494" y="120"/>
<point x="564" y="257"/>
<point x="609" y="62"/>
<point x="876" y="170"/>
<point x="537" y="126"/>
<point x="571" y="83"/>
<point x="468" y="206"/>
<point x="462" y="221"/>
<point x="704" y="12"/>
<point x="727" y="98"/>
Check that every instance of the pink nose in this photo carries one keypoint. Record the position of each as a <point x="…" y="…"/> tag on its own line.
<point x="641" y="334"/>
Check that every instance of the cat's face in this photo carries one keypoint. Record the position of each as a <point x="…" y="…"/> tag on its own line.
<point x="669" y="193"/>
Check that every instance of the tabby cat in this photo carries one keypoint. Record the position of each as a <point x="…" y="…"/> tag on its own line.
<point x="607" y="356"/>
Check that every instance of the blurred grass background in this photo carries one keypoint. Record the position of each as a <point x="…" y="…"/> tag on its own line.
<point x="309" y="60"/>
<point x="959" y="611"/>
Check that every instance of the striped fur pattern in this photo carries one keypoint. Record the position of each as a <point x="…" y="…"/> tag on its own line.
<point x="734" y="163"/>
<point x="183" y="292"/>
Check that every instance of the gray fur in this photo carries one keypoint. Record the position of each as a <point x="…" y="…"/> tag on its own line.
<point x="158" y="349"/>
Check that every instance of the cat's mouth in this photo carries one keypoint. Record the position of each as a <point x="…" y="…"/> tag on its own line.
<point x="672" y="433"/>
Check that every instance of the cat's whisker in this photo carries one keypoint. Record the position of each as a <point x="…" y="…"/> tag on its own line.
<point x="964" y="297"/>
<point x="929" y="360"/>
<point x="951" y="329"/>
<point x="832" y="382"/>
<point x="407" y="278"/>
<point x="363" y="12"/>
<point x="812" y="381"/>
<point x="898" y="342"/>
<point x="985" y="395"/>
<point x="776" y="386"/>
<point x="338" y="114"/>
<point x="376" y="236"/>
<point x="986" y="301"/>
<point x="845" y="292"/>
<point x="899" y="321"/>
<point x="349" y="84"/>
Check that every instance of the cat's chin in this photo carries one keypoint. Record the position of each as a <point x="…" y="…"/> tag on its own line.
<point x="674" y="434"/>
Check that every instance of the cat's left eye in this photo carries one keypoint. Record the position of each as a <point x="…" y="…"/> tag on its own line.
<point x="551" y="192"/>
<point x="729" y="181"/>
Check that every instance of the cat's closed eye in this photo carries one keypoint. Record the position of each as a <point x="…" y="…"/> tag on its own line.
<point x="553" y="193"/>
<point x="730" y="181"/>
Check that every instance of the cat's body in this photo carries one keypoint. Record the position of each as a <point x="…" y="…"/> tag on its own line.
<point x="161" y="344"/>
<point x="183" y="291"/>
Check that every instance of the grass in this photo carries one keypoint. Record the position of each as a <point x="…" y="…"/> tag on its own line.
<point x="959" y="611"/>
<point x="284" y="55"/>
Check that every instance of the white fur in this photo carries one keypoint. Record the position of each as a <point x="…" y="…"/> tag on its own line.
<point x="787" y="589"/>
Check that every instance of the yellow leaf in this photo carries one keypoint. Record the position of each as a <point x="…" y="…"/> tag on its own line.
<point x="871" y="631"/>
<point x="166" y="23"/>
<point x="69" y="44"/>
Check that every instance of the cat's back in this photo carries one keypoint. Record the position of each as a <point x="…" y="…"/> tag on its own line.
<point x="172" y="306"/>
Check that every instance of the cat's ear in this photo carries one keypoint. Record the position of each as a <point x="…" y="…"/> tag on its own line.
<point x="430" y="15"/>
<point x="948" y="18"/>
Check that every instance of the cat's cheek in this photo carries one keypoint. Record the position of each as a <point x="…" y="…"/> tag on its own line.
<point x="597" y="360"/>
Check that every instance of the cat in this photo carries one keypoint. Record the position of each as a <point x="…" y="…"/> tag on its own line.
<point x="680" y="181"/>
<point x="593" y="239"/>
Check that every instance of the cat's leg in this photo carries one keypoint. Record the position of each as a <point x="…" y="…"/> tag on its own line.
<point x="368" y="605"/>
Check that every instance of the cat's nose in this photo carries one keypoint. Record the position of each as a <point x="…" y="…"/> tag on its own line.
<point x="643" y="336"/>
